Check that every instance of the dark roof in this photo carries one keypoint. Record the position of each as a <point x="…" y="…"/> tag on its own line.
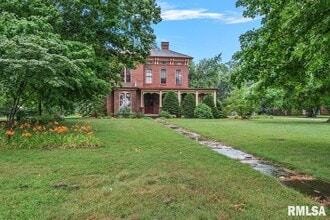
<point x="168" y="53"/>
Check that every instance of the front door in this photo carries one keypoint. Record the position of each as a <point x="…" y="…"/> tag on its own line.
<point x="148" y="104"/>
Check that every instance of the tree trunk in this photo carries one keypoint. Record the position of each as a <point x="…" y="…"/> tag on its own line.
<point x="311" y="113"/>
<point x="39" y="107"/>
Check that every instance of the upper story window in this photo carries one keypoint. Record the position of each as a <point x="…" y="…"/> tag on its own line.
<point x="150" y="62"/>
<point x="126" y="75"/>
<point x="149" y="76"/>
<point x="179" y="63"/>
<point x="178" y="77"/>
<point x="163" y="76"/>
<point x="163" y="62"/>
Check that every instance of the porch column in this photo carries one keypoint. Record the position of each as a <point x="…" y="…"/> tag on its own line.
<point x="142" y="99"/>
<point x="196" y="97"/>
<point x="160" y="99"/>
<point x="215" y="98"/>
<point x="179" y="97"/>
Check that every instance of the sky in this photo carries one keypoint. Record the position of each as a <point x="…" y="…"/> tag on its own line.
<point x="202" y="28"/>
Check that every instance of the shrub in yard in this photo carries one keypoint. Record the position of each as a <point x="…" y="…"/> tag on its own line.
<point x="188" y="106"/>
<point x="171" y="103"/>
<point x="203" y="111"/>
<point x="216" y="111"/>
<point x="165" y="114"/>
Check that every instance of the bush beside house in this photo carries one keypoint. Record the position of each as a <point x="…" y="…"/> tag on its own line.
<point x="188" y="106"/>
<point x="171" y="103"/>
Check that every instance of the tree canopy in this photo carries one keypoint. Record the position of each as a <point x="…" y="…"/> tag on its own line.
<point x="207" y="73"/>
<point x="290" y="50"/>
<point x="69" y="50"/>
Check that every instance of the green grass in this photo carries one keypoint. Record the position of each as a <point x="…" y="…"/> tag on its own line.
<point x="298" y="143"/>
<point x="144" y="171"/>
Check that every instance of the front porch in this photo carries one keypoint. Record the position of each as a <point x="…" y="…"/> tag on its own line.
<point x="151" y="102"/>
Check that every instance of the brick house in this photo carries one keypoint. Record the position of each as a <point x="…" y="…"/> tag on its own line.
<point x="144" y="87"/>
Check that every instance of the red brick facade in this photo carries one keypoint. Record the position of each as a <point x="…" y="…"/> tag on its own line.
<point x="144" y="87"/>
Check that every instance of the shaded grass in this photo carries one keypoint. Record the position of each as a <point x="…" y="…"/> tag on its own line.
<point x="299" y="143"/>
<point x="143" y="171"/>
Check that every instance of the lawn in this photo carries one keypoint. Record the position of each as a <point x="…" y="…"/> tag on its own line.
<point x="299" y="143"/>
<point x="143" y="171"/>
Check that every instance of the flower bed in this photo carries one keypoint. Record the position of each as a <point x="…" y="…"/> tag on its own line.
<point x="52" y="135"/>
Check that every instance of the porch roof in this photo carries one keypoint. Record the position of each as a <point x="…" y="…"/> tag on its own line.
<point x="179" y="89"/>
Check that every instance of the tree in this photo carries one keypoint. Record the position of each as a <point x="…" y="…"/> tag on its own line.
<point x="65" y="51"/>
<point x="171" y="103"/>
<point x="290" y="50"/>
<point x="272" y="100"/>
<point x="32" y="57"/>
<point x="243" y="101"/>
<point x="188" y="106"/>
<point x="207" y="73"/>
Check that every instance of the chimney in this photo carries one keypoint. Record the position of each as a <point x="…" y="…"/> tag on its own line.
<point x="165" y="45"/>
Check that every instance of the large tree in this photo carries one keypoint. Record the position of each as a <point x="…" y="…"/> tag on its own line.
<point x="59" y="51"/>
<point x="207" y="73"/>
<point x="290" y="50"/>
<point x="34" y="60"/>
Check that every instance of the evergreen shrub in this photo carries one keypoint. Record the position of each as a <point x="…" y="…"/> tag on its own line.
<point x="203" y="111"/>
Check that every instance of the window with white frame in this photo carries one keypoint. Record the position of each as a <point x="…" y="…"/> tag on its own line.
<point x="178" y="77"/>
<point x="149" y="76"/>
<point x="126" y="75"/>
<point x="124" y="100"/>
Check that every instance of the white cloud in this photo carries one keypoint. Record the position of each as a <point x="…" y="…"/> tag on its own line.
<point x="170" y="13"/>
<point x="188" y="14"/>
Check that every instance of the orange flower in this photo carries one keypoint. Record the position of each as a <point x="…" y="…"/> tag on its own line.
<point x="25" y="125"/>
<point x="61" y="129"/>
<point x="38" y="128"/>
<point x="10" y="132"/>
<point x="83" y="128"/>
<point x="90" y="133"/>
<point x="26" y="134"/>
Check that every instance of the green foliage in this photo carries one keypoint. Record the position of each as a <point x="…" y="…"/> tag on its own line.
<point x="225" y="86"/>
<point x="219" y="105"/>
<point x="188" y="106"/>
<point x="289" y="51"/>
<point x="139" y="115"/>
<point x="94" y="108"/>
<point x="52" y="135"/>
<point x="125" y="113"/>
<point x="206" y="74"/>
<point x="203" y="111"/>
<point x="58" y="54"/>
<point x="171" y="103"/>
<point x="209" y="101"/>
<point x="216" y="110"/>
<point x="165" y="114"/>
<point x="243" y="101"/>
